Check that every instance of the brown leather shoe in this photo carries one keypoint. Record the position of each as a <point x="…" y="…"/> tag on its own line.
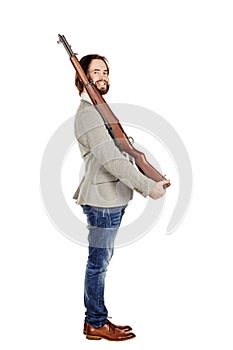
<point x="123" y="328"/>
<point x="109" y="332"/>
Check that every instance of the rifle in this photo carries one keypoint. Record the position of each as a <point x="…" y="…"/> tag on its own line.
<point x="111" y="121"/>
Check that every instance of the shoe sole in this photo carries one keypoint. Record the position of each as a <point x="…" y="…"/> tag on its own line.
<point x="95" y="337"/>
<point x="84" y="332"/>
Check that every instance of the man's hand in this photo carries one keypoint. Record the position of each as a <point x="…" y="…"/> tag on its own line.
<point x="157" y="190"/>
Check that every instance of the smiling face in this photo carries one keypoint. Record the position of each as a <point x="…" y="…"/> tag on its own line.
<point x="98" y="73"/>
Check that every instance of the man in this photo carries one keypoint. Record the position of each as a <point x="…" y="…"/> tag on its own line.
<point x="104" y="192"/>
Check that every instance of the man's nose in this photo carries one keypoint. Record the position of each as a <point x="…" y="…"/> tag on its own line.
<point x="103" y="76"/>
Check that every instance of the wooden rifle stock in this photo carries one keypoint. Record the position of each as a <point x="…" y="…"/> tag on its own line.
<point x="111" y="120"/>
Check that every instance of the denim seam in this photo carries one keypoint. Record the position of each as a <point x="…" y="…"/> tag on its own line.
<point x="109" y="216"/>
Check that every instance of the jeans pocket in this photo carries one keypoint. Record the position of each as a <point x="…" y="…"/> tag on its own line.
<point x="91" y="214"/>
<point x="104" y="217"/>
<point x="116" y="216"/>
<point x="116" y="219"/>
<point x="86" y="208"/>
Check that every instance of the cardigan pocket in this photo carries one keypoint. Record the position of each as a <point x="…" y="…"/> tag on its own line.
<point x="103" y="176"/>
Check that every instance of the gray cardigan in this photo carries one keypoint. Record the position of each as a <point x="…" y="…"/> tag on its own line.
<point x="110" y="177"/>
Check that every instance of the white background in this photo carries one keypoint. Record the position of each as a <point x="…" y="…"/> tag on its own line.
<point x="173" y="57"/>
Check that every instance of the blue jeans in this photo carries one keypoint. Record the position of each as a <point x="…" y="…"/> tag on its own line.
<point x="103" y="224"/>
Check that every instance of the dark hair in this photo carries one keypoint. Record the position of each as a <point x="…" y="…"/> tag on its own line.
<point x="85" y="62"/>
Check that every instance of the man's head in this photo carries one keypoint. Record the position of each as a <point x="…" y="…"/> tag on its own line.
<point x="96" y="69"/>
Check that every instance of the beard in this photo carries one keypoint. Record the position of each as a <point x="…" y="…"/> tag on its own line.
<point x="103" y="90"/>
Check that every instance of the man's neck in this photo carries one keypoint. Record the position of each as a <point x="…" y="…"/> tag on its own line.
<point x="85" y="97"/>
